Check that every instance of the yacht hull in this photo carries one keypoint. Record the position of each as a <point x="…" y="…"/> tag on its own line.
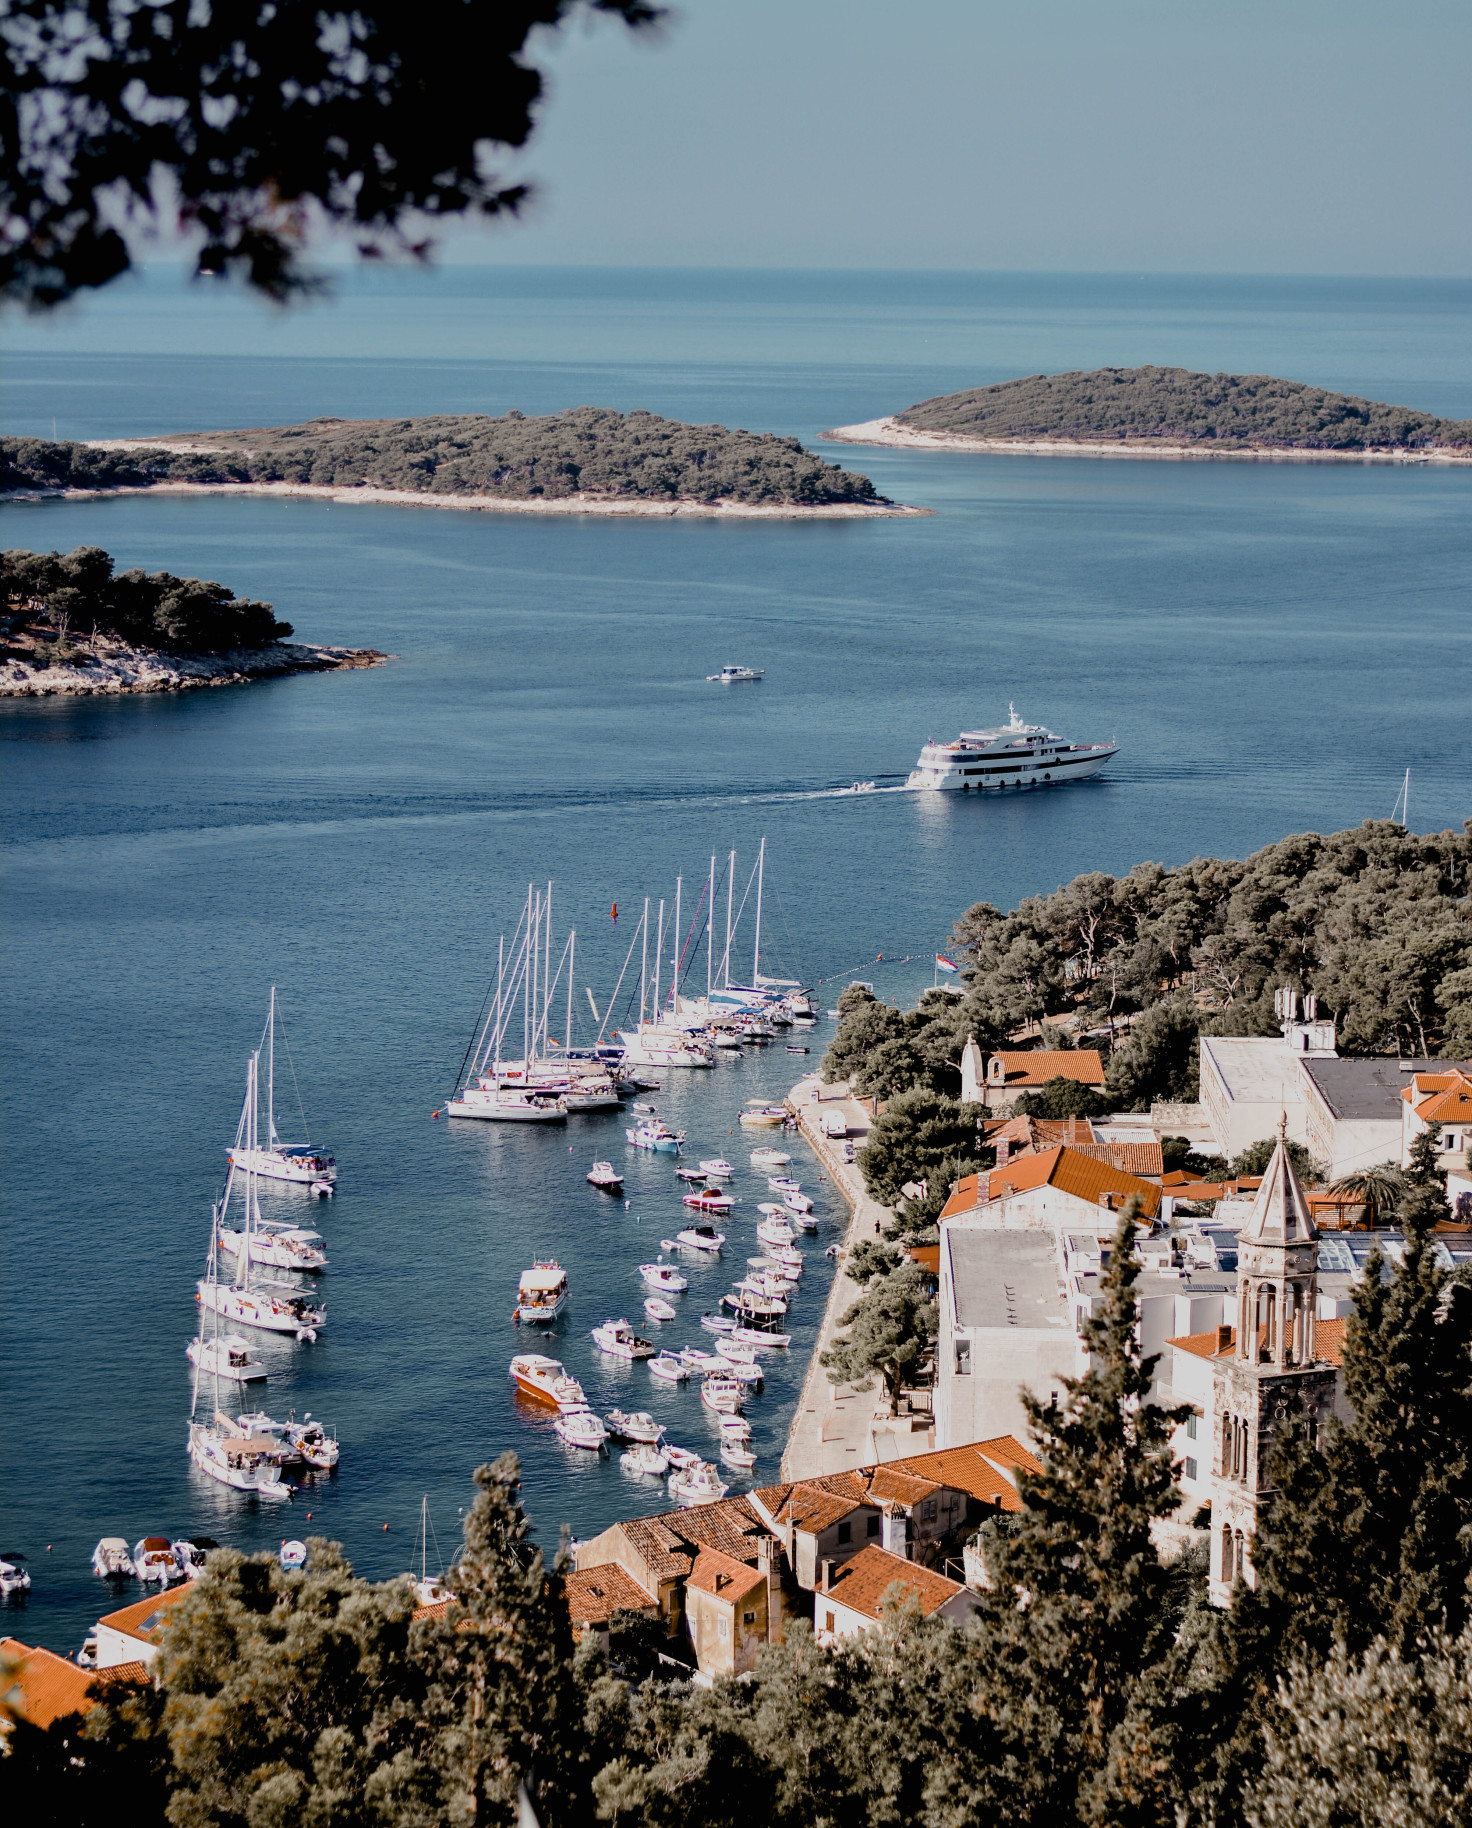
<point x="273" y="1166"/>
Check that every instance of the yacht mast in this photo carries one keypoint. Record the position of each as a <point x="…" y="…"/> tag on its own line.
<point x="644" y="964"/>
<point x="675" y="956"/>
<point x="500" y="978"/>
<point x="730" y="899"/>
<point x="756" y="956"/>
<point x="547" y="981"/>
<point x="658" y="963"/>
<point x="710" y="930"/>
<point x="571" y="960"/>
<point x="271" y="1074"/>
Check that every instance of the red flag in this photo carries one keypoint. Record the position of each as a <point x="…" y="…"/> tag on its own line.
<point x="614" y="914"/>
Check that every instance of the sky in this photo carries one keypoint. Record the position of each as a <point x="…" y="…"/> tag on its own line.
<point x="1319" y="136"/>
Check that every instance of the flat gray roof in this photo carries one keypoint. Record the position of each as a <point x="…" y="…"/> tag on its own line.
<point x="1004" y="1278"/>
<point x="1367" y="1088"/>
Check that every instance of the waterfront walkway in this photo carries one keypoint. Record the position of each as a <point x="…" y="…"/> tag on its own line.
<point x="833" y="1426"/>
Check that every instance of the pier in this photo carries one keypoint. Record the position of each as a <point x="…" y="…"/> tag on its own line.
<point x="835" y="1426"/>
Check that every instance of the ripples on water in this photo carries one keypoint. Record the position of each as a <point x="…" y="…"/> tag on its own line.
<point x="1272" y="646"/>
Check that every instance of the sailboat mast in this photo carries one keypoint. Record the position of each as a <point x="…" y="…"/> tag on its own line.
<point x="644" y="965"/>
<point x="730" y="899"/>
<point x="500" y="979"/>
<point x="658" y="962"/>
<point x="710" y="930"/>
<point x="547" y="980"/>
<point x="756" y="955"/>
<point x="271" y="1075"/>
<point x="572" y="941"/>
<point x="675" y="955"/>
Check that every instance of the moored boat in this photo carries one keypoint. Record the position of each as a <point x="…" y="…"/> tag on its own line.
<point x="645" y="1459"/>
<point x="111" y="1560"/>
<point x="722" y="1393"/>
<point x="546" y="1380"/>
<point x="717" y="1323"/>
<point x="669" y="1368"/>
<point x="665" y="1277"/>
<point x="658" y="1310"/>
<point x="606" y="1177"/>
<point x="700" y="1237"/>
<point x="228" y="1356"/>
<point x="717" y="1169"/>
<point x="710" y="1199"/>
<point x="542" y="1293"/>
<point x="699" y="1484"/>
<point x="14" y="1575"/>
<point x="769" y="1158"/>
<point x="278" y="1246"/>
<point x="304" y="1163"/>
<point x="619" y="1340"/>
<point x="735" y="1455"/>
<point x="633" y="1425"/>
<point x="580" y="1428"/>
<point x="192" y="1552"/>
<point x="655" y="1136"/>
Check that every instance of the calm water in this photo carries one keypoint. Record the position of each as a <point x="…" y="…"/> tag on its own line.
<point x="1272" y="645"/>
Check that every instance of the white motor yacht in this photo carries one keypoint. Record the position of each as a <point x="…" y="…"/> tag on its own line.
<point x="721" y="1393"/>
<point x="633" y="1425"/>
<point x="664" y="1276"/>
<point x="769" y="1158"/>
<point x="717" y="1169"/>
<point x="735" y="675"/>
<point x="645" y="1458"/>
<point x="606" y="1177"/>
<point x="546" y="1380"/>
<point x="775" y="1231"/>
<point x="312" y="1443"/>
<point x="797" y="1202"/>
<point x="278" y="1246"/>
<point x="1013" y="755"/>
<point x="668" y="1368"/>
<point x="542" y="1293"/>
<point x="700" y="1237"/>
<point x="228" y="1356"/>
<point x="14" y="1575"/>
<point x="735" y="1455"/>
<point x="619" y="1340"/>
<point x="658" y="1310"/>
<point x="580" y="1428"/>
<point x="111" y="1560"/>
<point x="655" y="1136"/>
<point x="700" y="1484"/>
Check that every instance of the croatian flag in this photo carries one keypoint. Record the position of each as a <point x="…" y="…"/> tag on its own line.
<point x="942" y="963"/>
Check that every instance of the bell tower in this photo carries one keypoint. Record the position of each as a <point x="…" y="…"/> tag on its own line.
<point x="1270" y="1376"/>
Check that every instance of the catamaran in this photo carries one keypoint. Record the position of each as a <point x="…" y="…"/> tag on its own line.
<point x="301" y="1162"/>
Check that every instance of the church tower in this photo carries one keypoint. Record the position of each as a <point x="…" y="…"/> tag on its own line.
<point x="1271" y="1377"/>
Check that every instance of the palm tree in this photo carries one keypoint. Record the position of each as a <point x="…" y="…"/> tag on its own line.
<point x="1377" y="1189"/>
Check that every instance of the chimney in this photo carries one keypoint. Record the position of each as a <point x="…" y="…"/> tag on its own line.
<point x="769" y="1563"/>
<point x="825" y="1575"/>
<point x="895" y="1532"/>
<point x="1223" y="1339"/>
<point x="1004" y="1150"/>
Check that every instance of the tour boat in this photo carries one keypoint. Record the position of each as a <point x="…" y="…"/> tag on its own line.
<point x="656" y="1136"/>
<point x="278" y="1246"/>
<point x="605" y="1176"/>
<point x="769" y="1158"/>
<point x="191" y="1553"/>
<point x="700" y="1237"/>
<point x="699" y="1485"/>
<point x="664" y="1276"/>
<point x="735" y="675"/>
<point x="542" y="1293"/>
<point x="111" y="1560"/>
<point x="546" y="1381"/>
<point x="292" y="1555"/>
<point x="721" y="1393"/>
<point x="710" y="1199"/>
<point x="734" y="1454"/>
<point x="277" y="1161"/>
<point x="717" y="1169"/>
<point x="635" y="1425"/>
<point x="14" y="1577"/>
<point x="658" y="1310"/>
<point x="580" y="1428"/>
<point x="717" y="1323"/>
<point x="680" y="1458"/>
<point x="797" y="1202"/>
<point x="227" y="1357"/>
<point x="1013" y="755"/>
<point x="619" y="1340"/>
<point x="668" y="1368"/>
<point x="645" y="1459"/>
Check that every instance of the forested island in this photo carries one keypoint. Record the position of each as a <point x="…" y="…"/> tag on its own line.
<point x="585" y="459"/>
<point x="72" y="625"/>
<point x="1171" y="412"/>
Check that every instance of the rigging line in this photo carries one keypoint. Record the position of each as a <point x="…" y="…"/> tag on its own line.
<point x="704" y="889"/>
<point x="291" y="1067"/>
<point x="474" y="1033"/>
<point x="736" y="923"/>
<point x="699" y="936"/>
<point x="787" y="929"/>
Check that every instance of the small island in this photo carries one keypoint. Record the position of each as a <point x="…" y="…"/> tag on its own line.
<point x="1170" y="412"/>
<point x="72" y="626"/>
<point x="584" y="461"/>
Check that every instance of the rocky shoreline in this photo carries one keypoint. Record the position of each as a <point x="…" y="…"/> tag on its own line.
<point x="890" y="431"/>
<point x="119" y="669"/>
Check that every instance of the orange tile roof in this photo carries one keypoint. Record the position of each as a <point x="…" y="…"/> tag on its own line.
<point x="927" y="1256"/>
<point x="1038" y="1065"/>
<point x="812" y="1505"/>
<point x="144" y="1617"/>
<point x="668" y="1543"/>
<point x="595" y="1594"/>
<point x="863" y="1580"/>
<point x="1328" y="1342"/>
<point x="50" y="1687"/>
<point x="976" y="1469"/>
<point x="722" y="1577"/>
<point x="1070" y="1170"/>
<point x="1453" y="1105"/>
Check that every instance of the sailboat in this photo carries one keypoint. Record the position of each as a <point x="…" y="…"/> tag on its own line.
<point x="429" y="1589"/>
<point x="220" y="1447"/>
<point x="275" y="1307"/>
<point x="278" y="1161"/>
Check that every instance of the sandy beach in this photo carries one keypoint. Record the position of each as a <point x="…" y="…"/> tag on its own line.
<point x="119" y="669"/>
<point x="890" y="431"/>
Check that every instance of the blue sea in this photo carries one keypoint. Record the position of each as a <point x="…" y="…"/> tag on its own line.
<point x="1272" y="645"/>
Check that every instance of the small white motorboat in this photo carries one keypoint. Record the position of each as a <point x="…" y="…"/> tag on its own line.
<point x="664" y="1276"/>
<point x="605" y="1176"/>
<point x="736" y="1353"/>
<point x="581" y="1428"/>
<point x="717" y="1169"/>
<point x="735" y="675"/>
<point x="764" y="1117"/>
<point x="783" y="1183"/>
<point x="710" y="1199"/>
<point x="111" y="1560"/>
<point x="717" y="1323"/>
<point x="749" y="1375"/>
<point x="735" y="1428"/>
<point x="191" y="1553"/>
<point x="797" y="1202"/>
<point x="769" y="1158"/>
<point x="669" y="1368"/>
<point x="312" y="1443"/>
<point x="680" y="1458"/>
<point x="655" y="1136"/>
<point x="546" y="1380"/>
<point x="696" y="1176"/>
<point x="761" y="1337"/>
<point x="699" y="1360"/>
<point x="700" y="1484"/>
<point x="14" y="1576"/>
<point x="775" y="1231"/>
<point x="659" y="1310"/>
<point x="645" y="1459"/>
<point x="721" y="1393"/>
<point x="153" y="1559"/>
<point x="734" y="1454"/>
<point x="863" y="787"/>
<point x="542" y="1293"/>
<point x="805" y="1221"/>
<point x="619" y="1340"/>
<point x="87" y="1655"/>
<point x="228" y="1357"/>
<point x="292" y="1554"/>
<point x="700" y="1237"/>
<point x="634" y="1425"/>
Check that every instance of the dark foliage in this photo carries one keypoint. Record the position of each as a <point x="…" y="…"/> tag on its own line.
<point x="1062" y="1097"/>
<point x="1175" y="406"/>
<point x="1256" y="1156"/>
<point x="79" y="594"/>
<point x="585" y="451"/>
<point x="263" y="122"/>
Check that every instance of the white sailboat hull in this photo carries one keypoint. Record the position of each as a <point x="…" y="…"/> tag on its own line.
<point x="273" y="1165"/>
<point x="226" y="1358"/>
<point x="515" y="1109"/>
<point x="276" y="1253"/>
<point x="271" y="1313"/>
<point x="211" y="1455"/>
